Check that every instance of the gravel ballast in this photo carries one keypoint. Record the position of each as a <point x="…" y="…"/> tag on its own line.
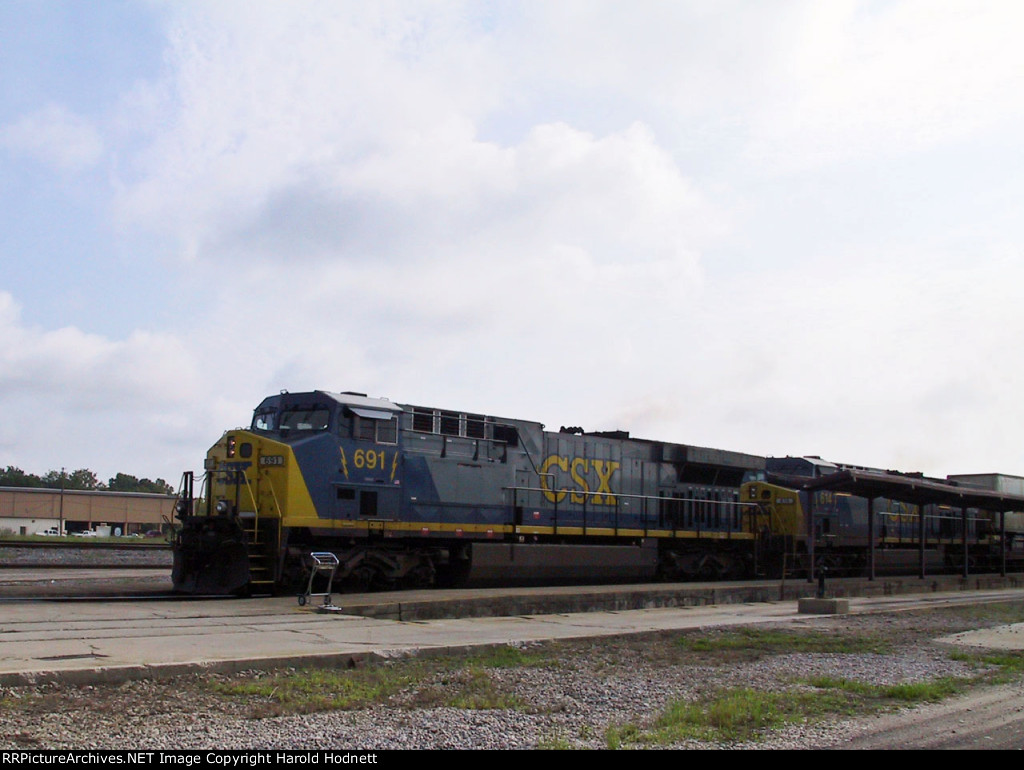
<point x="584" y="688"/>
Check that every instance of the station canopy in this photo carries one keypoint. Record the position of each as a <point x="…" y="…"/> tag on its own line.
<point x="914" y="489"/>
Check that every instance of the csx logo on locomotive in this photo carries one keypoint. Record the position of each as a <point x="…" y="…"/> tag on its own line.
<point x="585" y="475"/>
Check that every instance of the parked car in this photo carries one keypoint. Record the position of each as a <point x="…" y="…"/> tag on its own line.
<point x="50" y="532"/>
<point x="85" y="533"/>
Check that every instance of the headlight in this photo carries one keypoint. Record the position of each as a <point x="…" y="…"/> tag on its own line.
<point x="222" y="507"/>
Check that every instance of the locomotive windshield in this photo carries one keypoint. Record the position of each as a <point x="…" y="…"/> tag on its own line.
<point x="264" y="419"/>
<point x="305" y="419"/>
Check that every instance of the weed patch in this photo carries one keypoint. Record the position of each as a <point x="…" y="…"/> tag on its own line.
<point x="892" y="694"/>
<point x="734" y="715"/>
<point x="472" y="688"/>
<point x="999" y="666"/>
<point x="310" y="690"/>
<point x="509" y="656"/>
<point x="758" y="642"/>
<point x="463" y="683"/>
<point x="745" y="714"/>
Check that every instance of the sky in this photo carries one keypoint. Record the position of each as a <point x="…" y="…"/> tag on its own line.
<point x="783" y="228"/>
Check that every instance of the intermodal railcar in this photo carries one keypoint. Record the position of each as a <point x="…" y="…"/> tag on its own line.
<point x="407" y="495"/>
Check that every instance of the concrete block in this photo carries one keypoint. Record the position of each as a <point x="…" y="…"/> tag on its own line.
<point x="812" y="606"/>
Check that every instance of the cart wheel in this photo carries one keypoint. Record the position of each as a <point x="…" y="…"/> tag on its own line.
<point x="302" y="600"/>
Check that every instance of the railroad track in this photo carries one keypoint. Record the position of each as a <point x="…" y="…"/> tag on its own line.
<point x="68" y="570"/>
<point x="69" y="555"/>
<point x="98" y="544"/>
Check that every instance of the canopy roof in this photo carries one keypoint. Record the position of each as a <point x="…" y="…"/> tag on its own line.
<point x="914" y="489"/>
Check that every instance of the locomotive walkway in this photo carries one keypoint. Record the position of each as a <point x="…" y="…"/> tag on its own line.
<point x="87" y="642"/>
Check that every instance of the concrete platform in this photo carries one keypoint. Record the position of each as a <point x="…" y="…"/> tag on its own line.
<point x="93" y="641"/>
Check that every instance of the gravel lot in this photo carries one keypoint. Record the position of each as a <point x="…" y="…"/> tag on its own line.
<point x="570" y="702"/>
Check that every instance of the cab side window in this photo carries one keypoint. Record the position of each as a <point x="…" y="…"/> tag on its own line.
<point x="380" y="431"/>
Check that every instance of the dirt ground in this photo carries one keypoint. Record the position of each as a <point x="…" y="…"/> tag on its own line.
<point x="991" y="718"/>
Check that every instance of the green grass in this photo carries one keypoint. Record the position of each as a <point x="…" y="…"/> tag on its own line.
<point x="472" y="688"/>
<point x="732" y="715"/>
<point x="745" y="714"/>
<point x="893" y="694"/>
<point x="1001" y="666"/>
<point x="554" y="743"/>
<point x="509" y="656"/>
<point x="306" y="691"/>
<point x="764" y="641"/>
<point x="464" y="683"/>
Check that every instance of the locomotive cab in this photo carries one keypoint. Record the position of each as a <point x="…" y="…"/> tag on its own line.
<point x="256" y="490"/>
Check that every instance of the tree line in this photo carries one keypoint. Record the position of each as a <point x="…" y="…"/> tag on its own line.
<point x="83" y="479"/>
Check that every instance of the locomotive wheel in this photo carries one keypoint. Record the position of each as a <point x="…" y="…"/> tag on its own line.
<point x="363" y="578"/>
<point x="732" y="567"/>
<point x="420" y="577"/>
<point x="714" y="570"/>
<point x="665" y="572"/>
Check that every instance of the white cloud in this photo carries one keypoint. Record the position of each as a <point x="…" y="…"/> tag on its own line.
<point x="328" y="174"/>
<point x="680" y="219"/>
<point x="56" y="137"/>
<point x="83" y="400"/>
<point x="93" y="371"/>
<point x="866" y="80"/>
<point x="903" y="365"/>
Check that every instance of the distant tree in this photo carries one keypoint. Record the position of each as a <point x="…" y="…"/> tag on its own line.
<point x="123" y="482"/>
<point x="158" y="487"/>
<point x="16" y="477"/>
<point x="83" y="478"/>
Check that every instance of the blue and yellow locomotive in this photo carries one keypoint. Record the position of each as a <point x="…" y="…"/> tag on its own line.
<point x="408" y="495"/>
<point x="815" y="514"/>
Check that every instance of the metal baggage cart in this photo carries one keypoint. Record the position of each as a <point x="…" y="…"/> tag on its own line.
<point x="324" y="563"/>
